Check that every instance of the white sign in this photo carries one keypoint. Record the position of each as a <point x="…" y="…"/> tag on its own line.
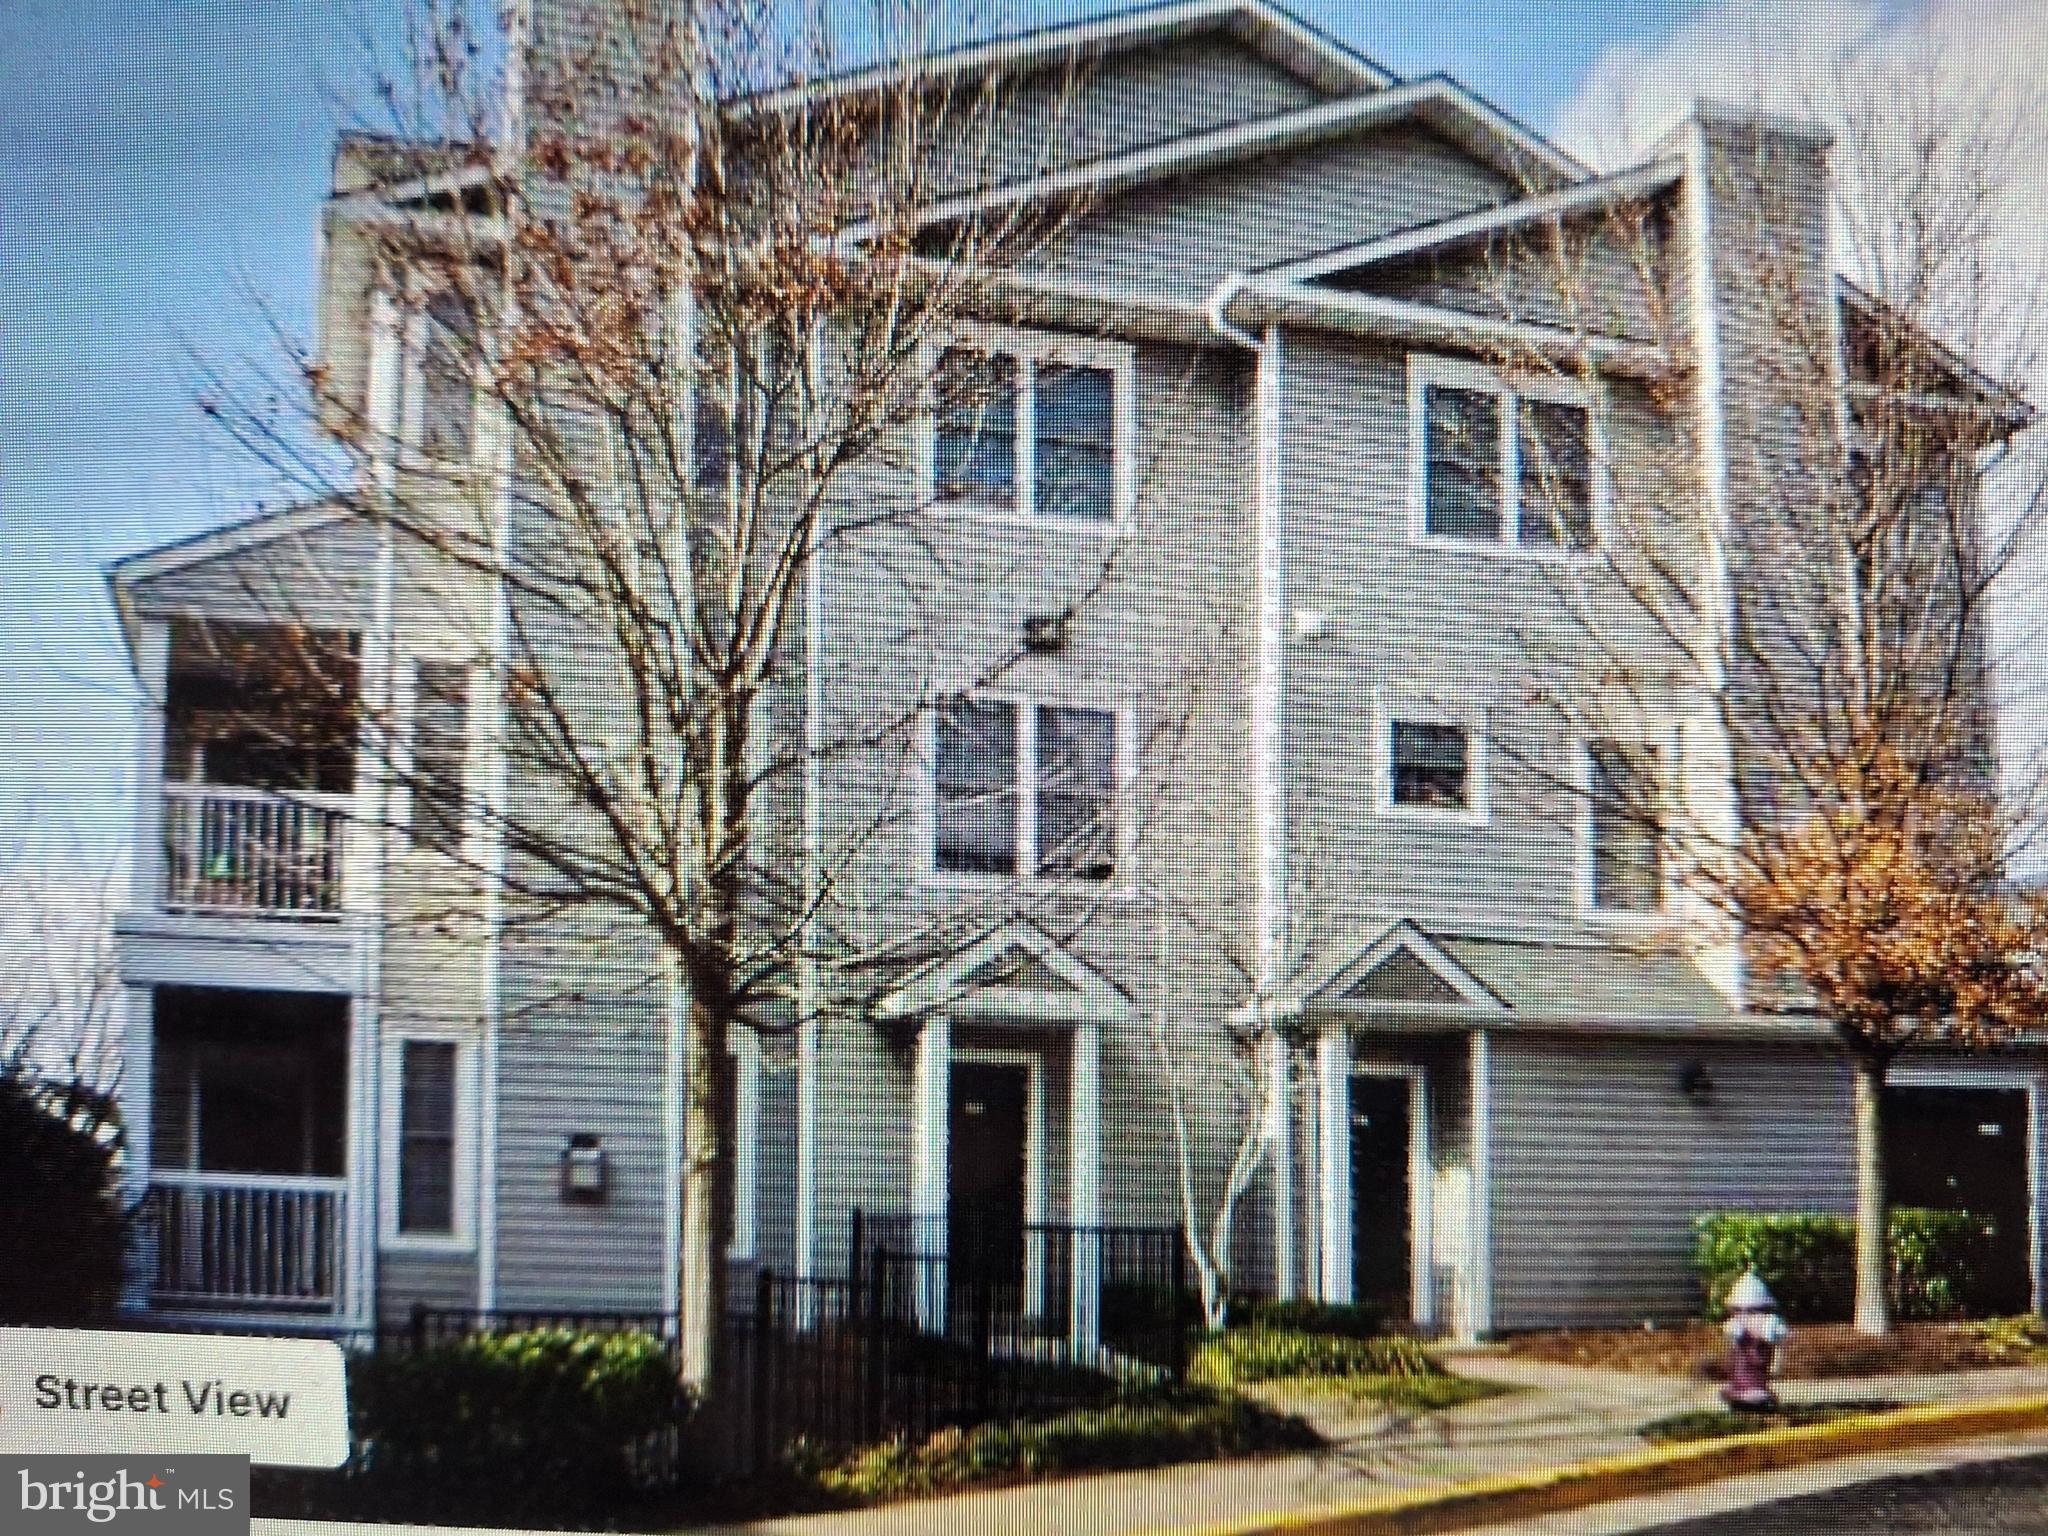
<point x="280" y="1402"/>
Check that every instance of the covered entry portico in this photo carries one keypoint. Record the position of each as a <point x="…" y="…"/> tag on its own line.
<point x="1006" y="1144"/>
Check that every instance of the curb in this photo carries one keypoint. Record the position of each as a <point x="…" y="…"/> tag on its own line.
<point x="1669" y="1469"/>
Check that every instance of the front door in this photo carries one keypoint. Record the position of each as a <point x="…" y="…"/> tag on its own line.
<point x="1380" y="1210"/>
<point x="1965" y="1149"/>
<point x="986" y="1151"/>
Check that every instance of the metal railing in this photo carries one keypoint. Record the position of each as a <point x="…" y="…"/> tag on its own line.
<point x="234" y="1240"/>
<point x="230" y="850"/>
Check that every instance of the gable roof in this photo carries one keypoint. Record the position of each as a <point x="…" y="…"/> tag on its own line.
<point x="1270" y="32"/>
<point x="1437" y="102"/>
<point x="1018" y="973"/>
<point x="1404" y="964"/>
<point x="1603" y="194"/>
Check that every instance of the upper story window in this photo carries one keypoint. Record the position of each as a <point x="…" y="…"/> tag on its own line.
<point x="1624" y="829"/>
<point x="447" y="379"/>
<point x="1031" y="427"/>
<point x="1508" y="464"/>
<point x="1025" y="789"/>
<point x="1431" y="766"/>
<point x="440" y="752"/>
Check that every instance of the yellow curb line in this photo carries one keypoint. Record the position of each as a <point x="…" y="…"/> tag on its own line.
<point x="1552" y="1490"/>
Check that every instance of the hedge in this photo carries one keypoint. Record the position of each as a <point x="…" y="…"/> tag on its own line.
<point x="1809" y="1261"/>
<point x="512" y="1424"/>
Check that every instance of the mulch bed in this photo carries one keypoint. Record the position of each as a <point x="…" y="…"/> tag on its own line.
<point x="1815" y="1352"/>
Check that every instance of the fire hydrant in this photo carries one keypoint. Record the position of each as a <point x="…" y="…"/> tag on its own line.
<point x="1754" y="1332"/>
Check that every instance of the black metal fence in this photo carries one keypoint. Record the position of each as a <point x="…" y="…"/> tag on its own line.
<point x="965" y="1328"/>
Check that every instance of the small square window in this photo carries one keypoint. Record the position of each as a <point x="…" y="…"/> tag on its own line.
<point x="1432" y="766"/>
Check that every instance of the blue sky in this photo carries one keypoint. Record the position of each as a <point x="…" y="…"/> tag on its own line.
<point x="161" y="168"/>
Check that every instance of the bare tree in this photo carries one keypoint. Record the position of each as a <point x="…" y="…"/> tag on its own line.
<point x="1787" y="679"/>
<point x="688" y="327"/>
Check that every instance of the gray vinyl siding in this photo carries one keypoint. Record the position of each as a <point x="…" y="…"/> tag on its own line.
<point x="439" y="1282"/>
<point x="1179" y="237"/>
<point x="1600" y="1164"/>
<point x="322" y="577"/>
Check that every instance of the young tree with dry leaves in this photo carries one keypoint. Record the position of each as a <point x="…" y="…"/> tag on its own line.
<point x="684" y="327"/>
<point x="1781" y="645"/>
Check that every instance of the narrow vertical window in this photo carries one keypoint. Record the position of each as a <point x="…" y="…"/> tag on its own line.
<point x="1463" y="483"/>
<point x="440" y="752"/>
<point x="448" y="380"/>
<point x="976" y="439"/>
<point x="1076" y="777"/>
<point x="1557" y="475"/>
<point x="426" y="1137"/>
<point x="1075" y="447"/>
<point x="975" y="774"/>
<point x="1627" y="842"/>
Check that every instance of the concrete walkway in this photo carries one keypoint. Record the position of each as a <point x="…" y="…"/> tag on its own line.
<point x="1559" y="1414"/>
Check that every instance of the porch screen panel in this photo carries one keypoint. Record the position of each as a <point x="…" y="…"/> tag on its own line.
<point x="426" y="1137"/>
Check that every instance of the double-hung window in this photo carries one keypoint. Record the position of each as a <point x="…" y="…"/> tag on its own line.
<point x="1624" y="829"/>
<point x="1430" y="768"/>
<point x="440" y="753"/>
<point x="1025" y="789"/>
<point x="1027" y="433"/>
<point x="1512" y="465"/>
<point x="429" y="1184"/>
<point x="447" y="379"/>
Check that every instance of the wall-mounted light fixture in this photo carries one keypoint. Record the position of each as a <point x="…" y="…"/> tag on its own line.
<point x="1696" y="1082"/>
<point x="585" y="1169"/>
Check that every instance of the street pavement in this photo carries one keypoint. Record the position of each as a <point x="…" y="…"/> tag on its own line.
<point x="1994" y="1498"/>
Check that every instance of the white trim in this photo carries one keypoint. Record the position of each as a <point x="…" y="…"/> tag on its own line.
<point x="1427" y="371"/>
<point x="2035" y="1084"/>
<point x="1029" y="351"/>
<point x="810" y="990"/>
<point x="1093" y="999"/>
<point x="230" y="540"/>
<point x="1026" y="876"/>
<point x="1448" y="107"/>
<point x="1333" y="1100"/>
<point x="1360" y="314"/>
<point x="1286" y="42"/>
<point x="135" y="1018"/>
<point x="1269" y="680"/>
<point x="1421" y="1178"/>
<point x="1406" y="936"/>
<point x="152" y="675"/>
<point x="747" y="1154"/>
<point x="463" y="1238"/>
<point x="1391" y="710"/>
<point x="1603" y="195"/>
<point x="1478" y="1321"/>
<point x="675" y="1068"/>
<point x="1280" y="1153"/>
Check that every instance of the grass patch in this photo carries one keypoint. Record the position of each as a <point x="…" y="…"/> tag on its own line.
<point x="1143" y="1430"/>
<point x="1723" y="1423"/>
<point x="2019" y="1340"/>
<point x="1398" y="1372"/>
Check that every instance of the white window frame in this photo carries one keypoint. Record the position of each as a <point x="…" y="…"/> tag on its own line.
<point x="1391" y="710"/>
<point x="468" y="1096"/>
<point x="1027" y="707"/>
<point x="413" y="400"/>
<point x="1511" y="389"/>
<point x="1031" y="350"/>
<point x="399" y="809"/>
<point x="1666" y="747"/>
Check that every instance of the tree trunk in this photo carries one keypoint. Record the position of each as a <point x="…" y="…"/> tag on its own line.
<point x="707" y="1175"/>
<point x="1873" y="1212"/>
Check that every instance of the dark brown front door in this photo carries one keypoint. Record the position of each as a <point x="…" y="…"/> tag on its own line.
<point x="1965" y="1149"/>
<point x="1379" y="1193"/>
<point x="986" y="1143"/>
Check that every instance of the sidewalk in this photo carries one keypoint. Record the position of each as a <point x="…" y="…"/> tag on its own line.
<point x="1561" y="1414"/>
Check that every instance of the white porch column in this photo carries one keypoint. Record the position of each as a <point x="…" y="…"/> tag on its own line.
<point x="1280" y="1158"/>
<point x="137" y="1035"/>
<point x="931" y="1093"/>
<point x="1333" y="1097"/>
<point x="1084" y="1195"/>
<point x="1478" y="1319"/>
<point x="152" y="671"/>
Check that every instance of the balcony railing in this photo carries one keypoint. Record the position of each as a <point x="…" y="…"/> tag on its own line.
<point x="237" y="1240"/>
<point x="249" y="851"/>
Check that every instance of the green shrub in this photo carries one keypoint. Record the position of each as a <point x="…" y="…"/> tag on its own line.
<point x="506" y="1424"/>
<point x="1809" y="1261"/>
<point x="61" y="1209"/>
<point x="1142" y="1430"/>
<point x="1239" y="1356"/>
